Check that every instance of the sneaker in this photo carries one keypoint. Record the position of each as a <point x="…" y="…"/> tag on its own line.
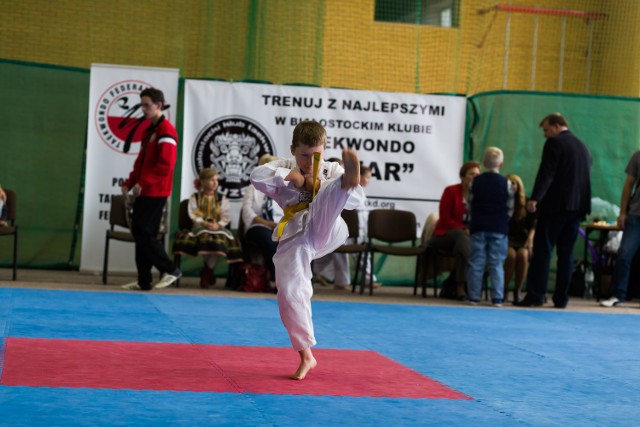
<point x="168" y="280"/>
<point x="610" y="302"/>
<point x="497" y="302"/>
<point x="133" y="286"/>
<point x="473" y="302"/>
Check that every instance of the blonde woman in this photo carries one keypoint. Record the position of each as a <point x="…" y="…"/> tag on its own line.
<point x="521" y="231"/>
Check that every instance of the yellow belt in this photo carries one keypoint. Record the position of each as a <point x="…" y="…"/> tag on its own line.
<point x="290" y="211"/>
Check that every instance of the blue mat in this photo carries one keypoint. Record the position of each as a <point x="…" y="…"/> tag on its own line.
<point x="521" y="367"/>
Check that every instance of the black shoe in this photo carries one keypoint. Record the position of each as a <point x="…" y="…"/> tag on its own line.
<point x="527" y="302"/>
<point x="559" y="305"/>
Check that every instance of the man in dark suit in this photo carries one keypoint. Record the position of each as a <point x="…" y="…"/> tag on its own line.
<point x="562" y="198"/>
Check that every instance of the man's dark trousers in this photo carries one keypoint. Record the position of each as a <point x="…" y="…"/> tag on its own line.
<point x="558" y="229"/>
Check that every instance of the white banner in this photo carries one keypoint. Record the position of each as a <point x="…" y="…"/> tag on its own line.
<point x="413" y="143"/>
<point x="114" y="133"/>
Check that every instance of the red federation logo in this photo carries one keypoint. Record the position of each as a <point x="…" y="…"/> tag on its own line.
<point x="118" y="116"/>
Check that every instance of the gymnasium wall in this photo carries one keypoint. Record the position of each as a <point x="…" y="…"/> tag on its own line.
<point x="568" y="46"/>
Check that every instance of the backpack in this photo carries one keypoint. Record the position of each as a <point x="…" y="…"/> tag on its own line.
<point x="449" y="288"/>
<point x="248" y="277"/>
<point x="578" y="286"/>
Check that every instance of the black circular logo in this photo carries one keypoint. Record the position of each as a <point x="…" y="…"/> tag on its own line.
<point x="232" y="145"/>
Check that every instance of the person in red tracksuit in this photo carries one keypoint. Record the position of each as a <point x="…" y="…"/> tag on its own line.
<point x="150" y="184"/>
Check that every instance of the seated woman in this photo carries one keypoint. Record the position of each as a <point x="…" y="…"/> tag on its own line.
<point x="451" y="232"/>
<point x="260" y="216"/>
<point x="209" y="236"/>
<point x="521" y="230"/>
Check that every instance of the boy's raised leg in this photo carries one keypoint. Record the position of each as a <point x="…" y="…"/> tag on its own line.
<point x="307" y="363"/>
<point x="351" y="177"/>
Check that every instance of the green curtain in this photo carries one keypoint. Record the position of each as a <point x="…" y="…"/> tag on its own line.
<point x="43" y="121"/>
<point x="509" y="120"/>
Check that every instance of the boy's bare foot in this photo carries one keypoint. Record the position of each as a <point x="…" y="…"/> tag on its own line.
<point x="351" y="163"/>
<point x="307" y="363"/>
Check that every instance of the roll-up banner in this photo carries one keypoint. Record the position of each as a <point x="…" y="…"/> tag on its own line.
<point x="413" y="143"/>
<point x="114" y="133"/>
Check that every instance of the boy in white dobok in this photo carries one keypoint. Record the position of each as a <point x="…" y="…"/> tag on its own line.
<point x="312" y="194"/>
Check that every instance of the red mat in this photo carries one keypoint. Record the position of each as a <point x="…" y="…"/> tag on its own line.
<point x="210" y="368"/>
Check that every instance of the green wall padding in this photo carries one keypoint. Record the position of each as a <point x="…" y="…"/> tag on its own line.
<point x="43" y="120"/>
<point x="509" y="120"/>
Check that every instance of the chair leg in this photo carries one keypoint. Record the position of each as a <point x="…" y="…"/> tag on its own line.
<point x="415" y="282"/>
<point x="421" y="274"/>
<point x="417" y="276"/>
<point x="357" y="275"/>
<point x="15" y="255"/>
<point x="105" y="264"/>
<point x="177" y="262"/>
<point x="363" y="282"/>
<point x="371" y="276"/>
<point x="436" y="273"/>
<point x="425" y="273"/>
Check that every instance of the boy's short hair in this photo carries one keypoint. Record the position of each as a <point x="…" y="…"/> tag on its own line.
<point x="554" y="119"/>
<point x="364" y="170"/>
<point x="468" y="165"/>
<point x="493" y="158"/>
<point x="309" y="133"/>
<point x="156" y="95"/>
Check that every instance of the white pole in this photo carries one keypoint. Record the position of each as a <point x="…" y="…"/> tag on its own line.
<point x="505" y="70"/>
<point x="534" y="52"/>
<point x="564" y="28"/>
<point x="589" y="57"/>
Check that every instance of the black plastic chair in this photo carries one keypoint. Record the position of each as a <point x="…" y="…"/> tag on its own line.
<point x="437" y="260"/>
<point x="390" y="227"/>
<point x="353" y="224"/>
<point x="119" y="229"/>
<point x="11" y="229"/>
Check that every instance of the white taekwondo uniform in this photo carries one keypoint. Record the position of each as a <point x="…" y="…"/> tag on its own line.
<point x="310" y="234"/>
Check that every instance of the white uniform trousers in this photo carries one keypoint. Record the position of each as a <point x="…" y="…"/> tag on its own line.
<point x="324" y="230"/>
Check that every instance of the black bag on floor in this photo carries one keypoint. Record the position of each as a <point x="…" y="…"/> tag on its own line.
<point x="448" y="289"/>
<point x="577" y="287"/>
